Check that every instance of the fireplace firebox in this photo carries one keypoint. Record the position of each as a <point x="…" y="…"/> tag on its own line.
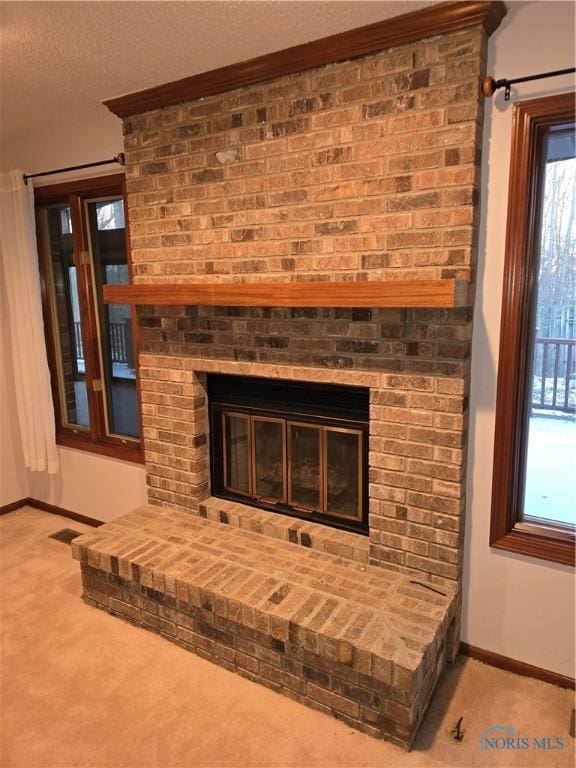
<point x="300" y="449"/>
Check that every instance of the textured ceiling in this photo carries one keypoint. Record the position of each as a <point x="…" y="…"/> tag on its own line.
<point x="60" y="60"/>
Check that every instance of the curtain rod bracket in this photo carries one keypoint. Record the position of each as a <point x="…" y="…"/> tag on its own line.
<point x="490" y="85"/>
<point x="120" y="158"/>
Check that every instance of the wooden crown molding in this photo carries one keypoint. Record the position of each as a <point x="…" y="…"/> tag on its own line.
<point x="399" y="30"/>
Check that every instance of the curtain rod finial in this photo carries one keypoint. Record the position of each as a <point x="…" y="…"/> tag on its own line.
<point x="120" y="158"/>
<point x="488" y="86"/>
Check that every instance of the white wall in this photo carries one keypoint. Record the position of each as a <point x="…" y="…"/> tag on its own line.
<point x="91" y="485"/>
<point x="513" y="605"/>
<point x="73" y="144"/>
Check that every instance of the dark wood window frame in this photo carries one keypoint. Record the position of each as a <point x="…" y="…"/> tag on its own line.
<point x="552" y="542"/>
<point x="94" y="439"/>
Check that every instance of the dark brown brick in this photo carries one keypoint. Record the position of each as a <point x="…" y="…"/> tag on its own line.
<point x="312" y="104"/>
<point x="333" y="155"/>
<point x="151" y="169"/>
<point x="360" y="347"/>
<point x="388" y="106"/>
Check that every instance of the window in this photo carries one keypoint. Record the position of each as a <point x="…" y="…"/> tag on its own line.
<point x="82" y="247"/>
<point x="534" y="479"/>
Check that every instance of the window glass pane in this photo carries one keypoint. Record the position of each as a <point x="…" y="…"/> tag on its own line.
<point x="550" y="490"/>
<point x="269" y="459"/>
<point x="67" y="323"/>
<point x="343" y="473"/>
<point x="108" y="245"/>
<point x="66" y="221"/>
<point x="237" y="452"/>
<point x="110" y="215"/>
<point x="304" y="447"/>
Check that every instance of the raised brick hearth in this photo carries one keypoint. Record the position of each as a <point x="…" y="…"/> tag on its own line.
<point x="357" y="642"/>
<point x="361" y="170"/>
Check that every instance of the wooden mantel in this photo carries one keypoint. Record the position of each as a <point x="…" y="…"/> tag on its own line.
<point x="441" y="294"/>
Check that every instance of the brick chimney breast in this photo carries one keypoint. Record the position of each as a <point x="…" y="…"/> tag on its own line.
<point x="361" y="170"/>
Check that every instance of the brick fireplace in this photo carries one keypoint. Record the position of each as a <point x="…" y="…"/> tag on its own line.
<point x="358" y="171"/>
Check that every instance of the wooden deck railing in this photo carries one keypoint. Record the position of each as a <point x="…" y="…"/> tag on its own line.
<point x="554" y="375"/>
<point x="118" y="342"/>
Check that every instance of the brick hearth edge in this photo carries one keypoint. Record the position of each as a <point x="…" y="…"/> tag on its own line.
<point x="359" y="643"/>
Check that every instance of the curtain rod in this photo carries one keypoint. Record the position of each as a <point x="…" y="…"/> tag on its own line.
<point x="489" y="85"/>
<point x="120" y="159"/>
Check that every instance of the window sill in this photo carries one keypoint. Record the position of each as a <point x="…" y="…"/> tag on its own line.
<point x="544" y="542"/>
<point x="112" y="450"/>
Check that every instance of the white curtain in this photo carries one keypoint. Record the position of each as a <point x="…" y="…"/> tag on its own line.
<point x="21" y="277"/>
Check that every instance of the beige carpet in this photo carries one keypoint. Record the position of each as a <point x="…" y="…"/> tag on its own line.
<point x="81" y="688"/>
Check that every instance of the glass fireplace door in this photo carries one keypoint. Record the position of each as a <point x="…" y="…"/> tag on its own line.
<point x="304" y="466"/>
<point x="343" y="471"/>
<point x="289" y="448"/>
<point x="298" y="466"/>
<point x="236" y="433"/>
<point x="268" y="459"/>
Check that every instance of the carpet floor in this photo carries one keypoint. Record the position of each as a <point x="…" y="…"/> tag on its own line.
<point x="82" y="688"/>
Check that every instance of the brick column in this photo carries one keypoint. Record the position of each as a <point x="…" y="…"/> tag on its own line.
<point x="417" y="475"/>
<point x="175" y="432"/>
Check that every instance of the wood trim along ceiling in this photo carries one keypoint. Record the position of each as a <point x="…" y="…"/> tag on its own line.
<point x="399" y="30"/>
